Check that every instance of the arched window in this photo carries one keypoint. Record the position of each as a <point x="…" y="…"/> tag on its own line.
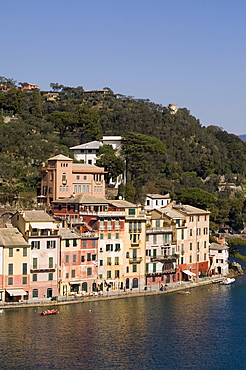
<point x="84" y="287"/>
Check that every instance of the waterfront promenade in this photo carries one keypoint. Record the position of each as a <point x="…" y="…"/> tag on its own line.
<point x="114" y="294"/>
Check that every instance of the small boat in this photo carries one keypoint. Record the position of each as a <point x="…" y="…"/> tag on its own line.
<point x="186" y="292"/>
<point x="49" y="312"/>
<point x="227" y="281"/>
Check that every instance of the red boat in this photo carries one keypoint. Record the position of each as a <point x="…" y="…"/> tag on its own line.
<point x="49" y="312"/>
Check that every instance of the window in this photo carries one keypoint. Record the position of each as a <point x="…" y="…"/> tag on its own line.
<point x="10" y="281"/>
<point x="51" y="263"/>
<point x="182" y="234"/>
<point x="205" y="256"/>
<point x="84" y="243"/>
<point x="89" y="271"/>
<point x="134" y="268"/>
<point x="131" y="212"/>
<point x="197" y="258"/>
<point x="154" y="267"/>
<point x="101" y="263"/>
<point x="11" y="252"/>
<point x="24" y="252"/>
<point x="44" y="232"/>
<point x="147" y="267"/>
<point x="154" y="252"/>
<point x="24" y="268"/>
<point x="198" y="231"/>
<point x="116" y="235"/>
<point x="109" y="261"/>
<point x="51" y="244"/>
<point x="24" y="280"/>
<point x="205" y="244"/>
<point x="67" y="275"/>
<point x="88" y="257"/>
<point x="127" y="269"/>
<point x="94" y="257"/>
<point x="10" y="269"/>
<point x="198" y="246"/>
<point x="157" y="223"/>
<point x="34" y="277"/>
<point x="50" y="277"/>
<point x="108" y="274"/>
<point x="82" y="258"/>
<point x="109" y="235"/>
<point x="94" y="244"/>
<point x="74" y="258"/>
<point x="198" y="218"/>
<point x="35" y="263"/>
<point x="35" y="293"/>
<point x="190" y="232"/>
<point x="67" y="243"/>
<point x="205" y="230"/>
<point x="147" y="238"/>
<point x="77" y="177"/>
<point x="190" y="246"/>
<point x="127" y="255"/>
<point x="67" y="258"/>
<point x="101" y="236"/>
<point x="117" y="273"/>
<point x="74" y="242"/>
<point x="191" y="218"/>
<point x="154" y="239"/>
<point x="35" y="244"/>
<point x="153" y="279"/>
<point x="73" y="273"/>
<point x="117" y="247"/>
<point x="116" y="261"/>
<point x="59" y="207"/>
<point x="190" y="259"/>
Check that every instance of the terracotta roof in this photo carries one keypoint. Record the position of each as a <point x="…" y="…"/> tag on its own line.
<point x="83" y="199"/>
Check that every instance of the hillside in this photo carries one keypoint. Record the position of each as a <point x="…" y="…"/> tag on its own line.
<point x="37" y="124"/>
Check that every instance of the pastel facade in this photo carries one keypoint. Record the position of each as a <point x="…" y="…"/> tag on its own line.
<point x="193" y="241"/>
<point x="15" y="266"/>
<point x="41" y="232"/>
<point x="161" y="247"/>
<point x="63" y="178"/>
<point x="219" y="256"/>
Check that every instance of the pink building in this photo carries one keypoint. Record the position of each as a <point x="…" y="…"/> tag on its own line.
<point x="41" y="232"/>
<point x="63" y="178"/>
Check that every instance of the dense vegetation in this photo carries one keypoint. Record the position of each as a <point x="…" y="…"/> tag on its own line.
<point x="164" y="152"/>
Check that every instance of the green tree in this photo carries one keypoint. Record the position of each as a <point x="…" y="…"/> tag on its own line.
<point x="195" y="197"/>
<point x="112" y="163"/>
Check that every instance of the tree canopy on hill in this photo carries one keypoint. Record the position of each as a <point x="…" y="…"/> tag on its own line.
<point x="163" y="151"/>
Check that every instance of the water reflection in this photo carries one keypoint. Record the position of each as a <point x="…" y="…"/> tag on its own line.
<point x="202" y="330"/>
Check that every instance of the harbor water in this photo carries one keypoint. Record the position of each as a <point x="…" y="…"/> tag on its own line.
<point x="205" y="329"/>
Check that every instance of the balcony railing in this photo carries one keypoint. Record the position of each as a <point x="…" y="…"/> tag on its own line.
<point x="135" y="260"/>
<point x="165" y="258"/>
<point x="158" y="230"/>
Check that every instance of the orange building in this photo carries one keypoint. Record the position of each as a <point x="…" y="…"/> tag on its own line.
<point x="63" y="178"/>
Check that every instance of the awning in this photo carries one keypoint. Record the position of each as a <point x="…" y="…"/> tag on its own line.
<point x="188" y="272"/>
<point x="16" y="292"/>
<point x="75" y="282"/>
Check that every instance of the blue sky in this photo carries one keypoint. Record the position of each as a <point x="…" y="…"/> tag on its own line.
<point x="188" y="52"/>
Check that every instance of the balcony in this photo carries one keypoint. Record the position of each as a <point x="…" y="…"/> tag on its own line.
<point x="42" y="269"/>
<point x="135" y="260"/>
<point x="158" y="230"/>
<point x="165" y="258"/>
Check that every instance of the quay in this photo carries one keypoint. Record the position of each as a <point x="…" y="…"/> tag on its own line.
<point x="170" y="288"/>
